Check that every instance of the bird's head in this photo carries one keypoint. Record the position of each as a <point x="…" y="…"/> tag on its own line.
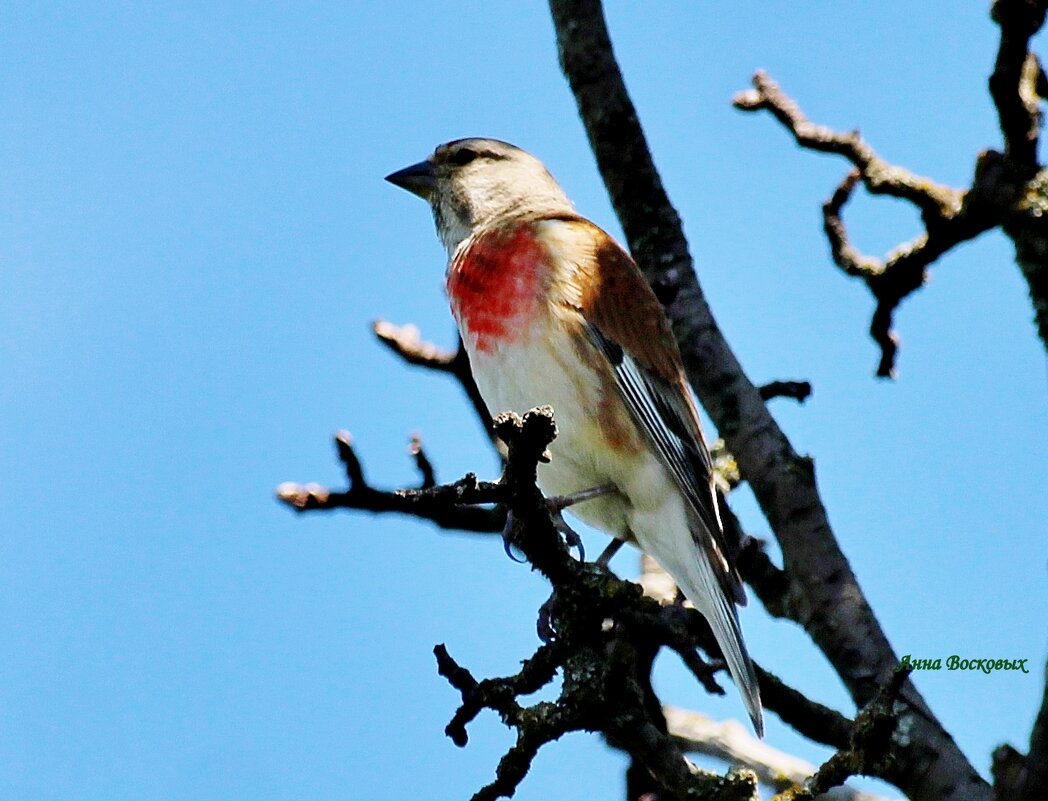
<point x="474" y="183"/>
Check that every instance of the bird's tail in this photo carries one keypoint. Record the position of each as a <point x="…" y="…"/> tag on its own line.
<point x="697" y="580"/>
<point x="720" y="612"/>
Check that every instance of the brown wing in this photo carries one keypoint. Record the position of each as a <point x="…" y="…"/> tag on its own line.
<point x="627" y="323"/>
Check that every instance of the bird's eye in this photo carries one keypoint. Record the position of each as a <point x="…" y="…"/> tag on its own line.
<point x="462" y="156"/>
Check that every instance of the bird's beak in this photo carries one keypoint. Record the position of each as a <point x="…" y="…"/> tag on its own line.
<point x="419" y="179"/>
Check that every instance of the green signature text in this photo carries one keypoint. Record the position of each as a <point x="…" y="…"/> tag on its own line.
<point x="957" y="663"/>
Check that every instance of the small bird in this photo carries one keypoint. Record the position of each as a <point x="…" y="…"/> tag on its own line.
<point x="553" y="311"/>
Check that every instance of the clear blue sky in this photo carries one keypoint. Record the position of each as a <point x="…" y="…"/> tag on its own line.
<point x="194" y="236"/>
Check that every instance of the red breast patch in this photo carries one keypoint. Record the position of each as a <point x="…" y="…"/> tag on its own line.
<point x="495" y="285"/>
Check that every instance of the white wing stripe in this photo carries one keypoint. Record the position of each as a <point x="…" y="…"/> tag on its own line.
<point x="641" y="400"/>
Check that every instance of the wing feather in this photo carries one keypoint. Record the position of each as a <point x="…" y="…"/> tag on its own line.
<point x="626" y="322"/>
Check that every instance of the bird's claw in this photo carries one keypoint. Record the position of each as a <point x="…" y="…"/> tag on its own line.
<point x="544" y="625"/>
<point x="571" y="536"/>
<point x="556" y="505"/>
<point x="509" y="537"/>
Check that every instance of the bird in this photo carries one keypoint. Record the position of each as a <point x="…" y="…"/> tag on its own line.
<point x="553" y="311"/>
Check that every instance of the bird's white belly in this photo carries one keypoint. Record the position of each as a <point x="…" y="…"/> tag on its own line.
<point x="544" y="369"/>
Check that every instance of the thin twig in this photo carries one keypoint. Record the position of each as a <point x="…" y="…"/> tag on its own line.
<point x="431" y="503"/>
<point x="800" y="391"/>
<point x="950" y="216"/>
<point x="1015" y="81"/>
<point x="880" y="177"/>
<point x="422" y="462"/>
<point x="407" y="343"/>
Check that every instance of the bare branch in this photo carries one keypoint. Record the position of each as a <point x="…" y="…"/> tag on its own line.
<point x="729" y="741"/>
<point x="535" y="727"/>
<point x="950" y="216"/>
<point x="815" y="721"/>
<point x="1016" y="80"/>
<point x="432" y="506"/>
<point x="348" y="456"/>
<point x="800" y="391"/>
<point x="599" y="662"/>
<point x="422" y="462"/>
<point x="904" y="270"/>
<point x="497" y="694"/>
<point x="601" y="688"/>
<point x="869" y="745"/>
<point x="1036" y="784"/>
<point x="844" y="255"/>
<point x="1009" y="190"/>
<point x="870" y="270"/>
<point x="1019" y="185"/>
<point x="406" y="342"/>
<point x="880" y="177"/>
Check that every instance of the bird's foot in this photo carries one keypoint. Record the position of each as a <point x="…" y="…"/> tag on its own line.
<point x="559" y="503"/>
<point x="511" y="531"/>
<point x="571" y="536"/>
<point x="556" y="505"/>
<point x="609" y="551"/>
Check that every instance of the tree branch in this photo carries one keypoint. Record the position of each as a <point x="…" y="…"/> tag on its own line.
<point x="880" y="177"/>
<point x="456" y="515"/>
<point x="950" y="216"/>
<point x="869" y="745"/>
<point x="407" y="343"/>
<point x="587" y="597"/>
<point x="597" y="623"/>
<point x="1016" y="84"/>
<point x="535" y="727"/>
<point x="1009" y="190"/>
<point x="815" y="721"/>
<point x="800" y="391"/>
<point x="729" y="741"/>
<point x="1036" y="784"/>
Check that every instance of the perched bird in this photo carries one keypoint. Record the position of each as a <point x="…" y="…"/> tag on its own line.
<point x="553" y="311"/>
